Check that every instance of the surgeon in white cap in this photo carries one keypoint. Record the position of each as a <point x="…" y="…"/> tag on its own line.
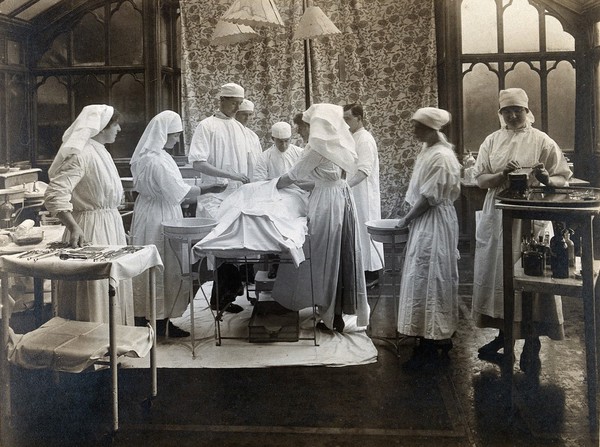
<point x="516" y="145"/>
<point x="428" y="301"/>
<point x="281" y="156"/>
<point x="243" y="115"/>
<point x="219" y="151"/>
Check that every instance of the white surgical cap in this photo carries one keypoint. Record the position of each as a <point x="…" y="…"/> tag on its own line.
<point x="281" y="130"/>
<point x="232" y="90"/>
<point x="246" y="106"/>
<point x="432" y="117"/>
<point x="513" y="97"/>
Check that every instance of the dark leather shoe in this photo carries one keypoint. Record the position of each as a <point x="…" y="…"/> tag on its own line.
<point x="234" y="308"/>
<point x="177" y="332"/>
<point x="492" y="347"/>
<point x="530" y="361"/>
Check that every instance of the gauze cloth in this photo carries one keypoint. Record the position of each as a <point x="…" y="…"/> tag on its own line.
<point x="91" y="120"/>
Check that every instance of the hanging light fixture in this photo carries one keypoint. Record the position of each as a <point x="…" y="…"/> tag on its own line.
<point x="227" y="33"/>
<point x="314" y="23"/>
<point x="253" y="13"/>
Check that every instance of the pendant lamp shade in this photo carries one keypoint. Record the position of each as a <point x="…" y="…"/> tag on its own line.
<point x="227" y="33"/>
<point x="314" y="23"/>
<point x="253" y="13"/>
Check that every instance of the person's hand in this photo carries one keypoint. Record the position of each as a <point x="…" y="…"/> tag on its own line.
<point x="541" y="173"/>
<point x="511" y="166"/>
<point x="77" y="239"/>
<point x="240" y="177"/>
<point x="402" y="223"/>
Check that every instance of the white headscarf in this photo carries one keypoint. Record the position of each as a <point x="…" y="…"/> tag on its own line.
<point x="514" y="97"/>
<point x="90" y="122"/>
<point x="432" y="117"/>
<point x="330" y="136"/>
<point x="155" y="136"/>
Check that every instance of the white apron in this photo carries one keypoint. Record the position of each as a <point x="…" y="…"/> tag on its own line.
<point x="160" y="189"/>
<point x="528" y="146"/>
<point x="89" y="184"/>
<point x="428" y="299"/>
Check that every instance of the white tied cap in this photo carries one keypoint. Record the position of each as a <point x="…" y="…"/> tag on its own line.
<point x="432" y="117"/>
<point x="281" y="130"/>
<point x="513" y="97"/>
<point x="246" y="106"/>
<point x="232" y="90"/>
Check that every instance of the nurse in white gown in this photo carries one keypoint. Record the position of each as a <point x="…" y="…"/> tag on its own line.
<point x="337" y="271"/>
<point x="516" y="144"/>
<point x="428" y="300"/>
<point x="161" y="189"/>
<point x="84" y="193"/>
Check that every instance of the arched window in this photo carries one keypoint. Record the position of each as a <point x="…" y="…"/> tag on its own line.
<point x="515" y="43"/>
<point x="106" y="55"/>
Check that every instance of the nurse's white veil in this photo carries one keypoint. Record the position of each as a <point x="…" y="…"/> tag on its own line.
<point x="330" y="136"/>
<point x="91" y="120"/>
<point x="155" y="136"/>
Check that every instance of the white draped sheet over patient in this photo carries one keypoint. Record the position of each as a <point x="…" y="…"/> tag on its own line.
<point x="257" y="219"/>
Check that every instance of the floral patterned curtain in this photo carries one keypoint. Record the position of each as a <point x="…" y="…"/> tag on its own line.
<point x="385" y="59"/>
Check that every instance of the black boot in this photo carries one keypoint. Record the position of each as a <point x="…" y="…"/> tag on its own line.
<point x="338" y="323"/>
<point x="492" y="347"/>
<point x="140" y="321"/>
<point x="424" y="356"/>
<point x="530" y="361"/>
<point x="444" y="346"/>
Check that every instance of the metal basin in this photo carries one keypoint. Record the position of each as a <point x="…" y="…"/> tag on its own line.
<point x="384" y="230"/>
<point x="189" y="226"/>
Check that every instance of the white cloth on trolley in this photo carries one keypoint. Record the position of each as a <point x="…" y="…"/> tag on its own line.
<point x="72" y="346"/>
<point x="257" y="219"/>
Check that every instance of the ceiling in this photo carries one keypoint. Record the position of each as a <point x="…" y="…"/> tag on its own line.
<point x="28" y="10"/>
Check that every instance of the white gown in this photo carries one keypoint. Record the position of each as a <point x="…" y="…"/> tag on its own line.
<point x="528" y="146"/>
<point x="428" y="301"/>
<point x="222" y="142"/>
<point x="88" y="184"/>
<point x="367" y="198"/>
<point x="273" y="163"/>
<point x="254" y="149"/>
<point x="328" y="202"/>
<point x="161" y="189"/>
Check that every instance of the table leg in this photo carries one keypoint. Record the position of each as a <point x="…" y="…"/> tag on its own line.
<point x="5" y="410"/>
<point x="509" y="299"/>
<point x="589" y="312"/>
<point x="38" y="301"/>
<point x="153" y="325"/>
<point x="112" y="349"/>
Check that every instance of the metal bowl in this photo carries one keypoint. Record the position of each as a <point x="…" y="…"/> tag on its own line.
<point x="384" y="230"/>
<point x="190" y="226"/>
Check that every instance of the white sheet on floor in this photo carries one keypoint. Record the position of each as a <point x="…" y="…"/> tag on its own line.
<point x="353" y="347"/>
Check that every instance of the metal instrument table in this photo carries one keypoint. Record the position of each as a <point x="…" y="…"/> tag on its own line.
<point x="585" y="288"/>
<point x="124" y="266"/>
